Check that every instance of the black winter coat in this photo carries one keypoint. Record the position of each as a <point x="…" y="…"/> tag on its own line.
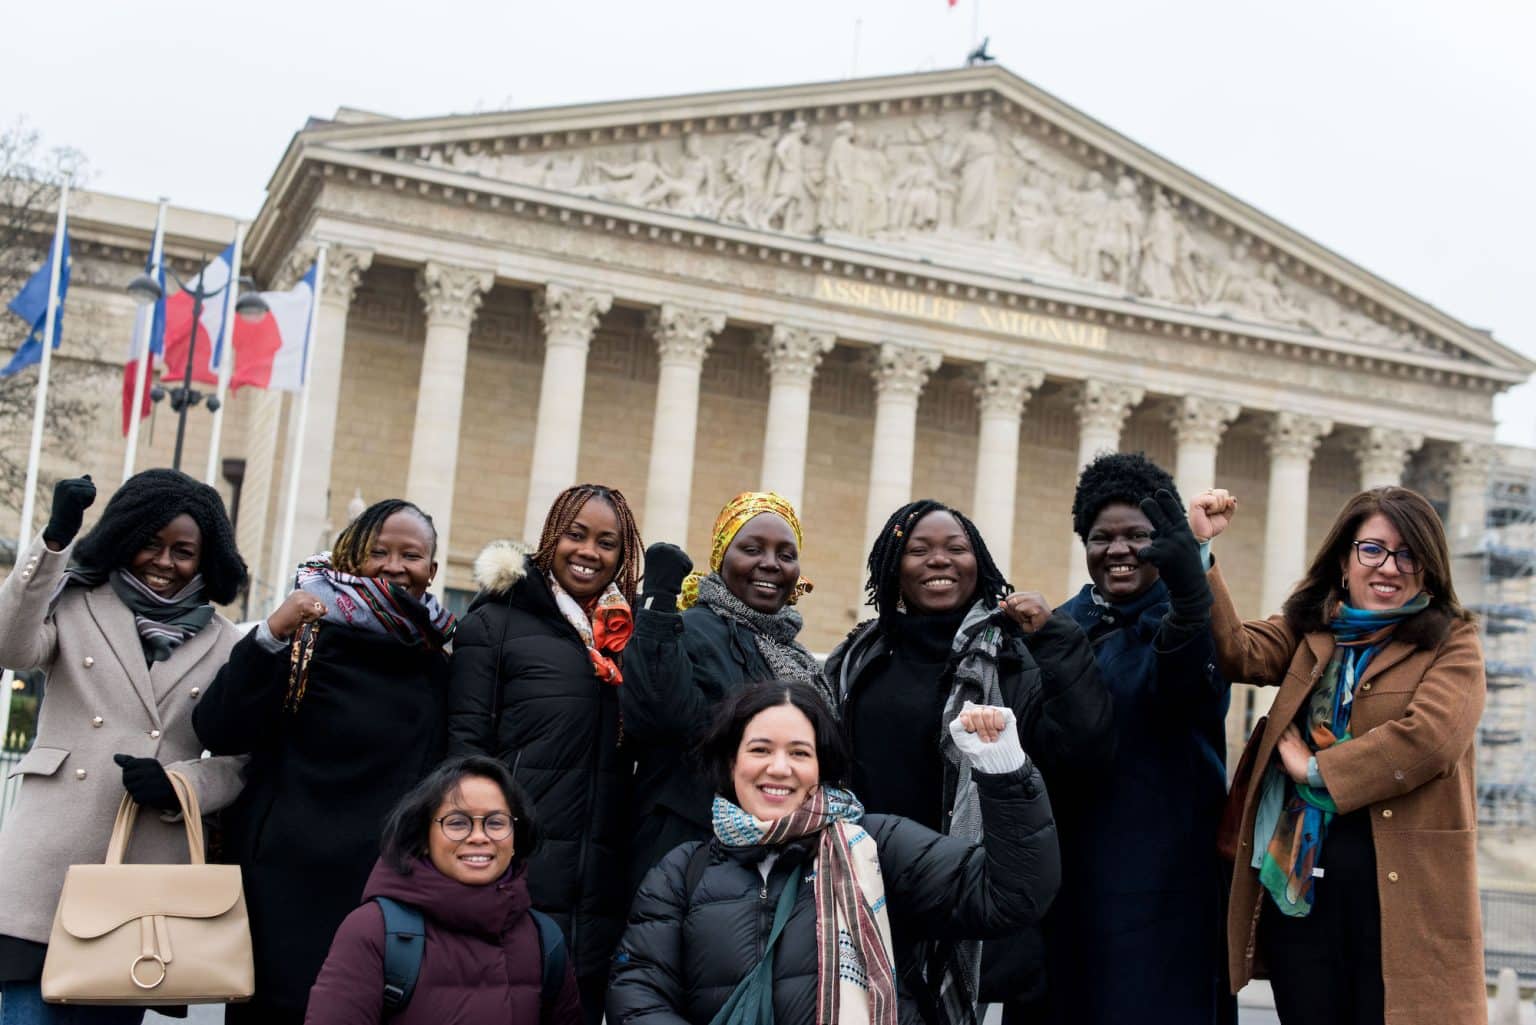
<point x="677" y="669"/>
<point x="683" y="953"/>
<point x="523" y="690"/>
<point x="1065" y="719"/>
<point x="319" y="784"/>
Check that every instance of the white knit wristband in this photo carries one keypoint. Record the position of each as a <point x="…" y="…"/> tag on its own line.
<point x="1005" y="754"/>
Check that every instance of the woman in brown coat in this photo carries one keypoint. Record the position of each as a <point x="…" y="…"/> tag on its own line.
<point x="1356" y="878"/>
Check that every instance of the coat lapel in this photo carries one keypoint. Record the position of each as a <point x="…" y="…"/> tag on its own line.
<point x="1388" y="657"/>
<point x="116" y="624"/>
<point x="191" y="651"/>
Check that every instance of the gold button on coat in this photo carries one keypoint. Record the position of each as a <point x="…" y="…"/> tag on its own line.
<point x="154" y="734"/>
<point x="195" y="691"/>
<point x="1386" y="813"/>
<point x="79" y="773"/>
<point x="96" y="721"/>
<point x="1365" y="686"/>
<point x="1392" y="877"/>
<point x="88" y="661"/>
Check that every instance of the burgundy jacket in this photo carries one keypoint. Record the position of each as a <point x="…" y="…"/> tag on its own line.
<point x="482" y="961"/>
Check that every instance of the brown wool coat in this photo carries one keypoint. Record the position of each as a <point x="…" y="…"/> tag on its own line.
<point x="1411" y="763"/>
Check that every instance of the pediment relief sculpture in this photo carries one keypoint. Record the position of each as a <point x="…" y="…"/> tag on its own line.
<point x="965" y="186"/>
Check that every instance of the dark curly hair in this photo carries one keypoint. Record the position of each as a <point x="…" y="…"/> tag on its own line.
<point x="144" y="504"/>
<point x="884" y="584"/>
<point x="1116" y="477"/>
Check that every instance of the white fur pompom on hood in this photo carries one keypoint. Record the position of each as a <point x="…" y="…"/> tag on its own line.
<point x="501" y="564"/>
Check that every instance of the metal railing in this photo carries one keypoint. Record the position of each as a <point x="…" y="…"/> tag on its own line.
<point x="1509" y="931"/>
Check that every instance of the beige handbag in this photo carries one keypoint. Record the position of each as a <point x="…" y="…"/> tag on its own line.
<point x="150" y="935"/>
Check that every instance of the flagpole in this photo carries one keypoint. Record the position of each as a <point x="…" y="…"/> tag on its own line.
<point x="39" y="411"/>
<point x="296" y="441"/>
<point x="226" y="356"/>
<point x="146" y="328"/>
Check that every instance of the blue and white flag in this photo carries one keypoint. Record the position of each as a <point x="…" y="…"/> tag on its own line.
<point x="31" y="305"/>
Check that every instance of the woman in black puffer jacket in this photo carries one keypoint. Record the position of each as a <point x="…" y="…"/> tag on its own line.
<point x="794" y="855"/>
<point x="535" y="682"/>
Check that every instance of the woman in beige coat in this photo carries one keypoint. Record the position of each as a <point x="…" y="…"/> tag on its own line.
<point x="123" y="625"/>
<point x="1356" y="878"/>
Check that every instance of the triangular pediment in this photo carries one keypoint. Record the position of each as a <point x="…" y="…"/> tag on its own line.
<point x="973" y="169"/>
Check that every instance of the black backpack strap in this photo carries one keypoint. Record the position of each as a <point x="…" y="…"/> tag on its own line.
<point x="698" y="861"/>
<point x="552" y="947"/>
<point x="405" y="940"/>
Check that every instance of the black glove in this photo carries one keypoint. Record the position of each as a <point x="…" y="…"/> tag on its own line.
<point x="1176" y="554"/>
<point x="71" y="498"/>
<point x="665" y="567"/>
<point x="145" y="779"/>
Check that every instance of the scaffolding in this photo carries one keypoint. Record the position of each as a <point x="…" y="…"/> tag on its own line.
<point x="1506" y="740"/>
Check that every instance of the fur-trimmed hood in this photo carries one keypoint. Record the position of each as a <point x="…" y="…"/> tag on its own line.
<point x="501" y="565"/>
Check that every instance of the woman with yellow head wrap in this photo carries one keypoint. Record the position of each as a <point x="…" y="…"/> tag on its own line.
<point x="733" y="624"/>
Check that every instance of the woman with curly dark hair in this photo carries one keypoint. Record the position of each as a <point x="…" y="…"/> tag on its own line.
<point x="123" y="624"/>
<point x="339" y="698"/>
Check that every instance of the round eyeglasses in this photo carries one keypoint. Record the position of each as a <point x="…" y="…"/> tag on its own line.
<point x="1373" y="555"/>
<point x="458" y="826"/>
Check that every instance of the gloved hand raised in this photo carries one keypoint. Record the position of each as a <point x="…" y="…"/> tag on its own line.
<point x="988" y="738"/>
<point x="1176" y="554"/>
<point x="146" y="781"/>
<point x="71" y="498"/>
<point x="665" y="567"/>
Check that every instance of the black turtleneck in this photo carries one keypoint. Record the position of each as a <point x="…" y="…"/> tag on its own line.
<point x="895" y="721"/>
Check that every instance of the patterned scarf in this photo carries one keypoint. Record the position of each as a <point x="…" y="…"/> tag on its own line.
<point x="775" y="634"/>
<point x="855" y="982"/>
<point x="164" y="624"/>
<point x="1292" y="840"/>
<point x="605" y="632"/>
<point x="374" y="605"/>
<point x="736" y="514"/>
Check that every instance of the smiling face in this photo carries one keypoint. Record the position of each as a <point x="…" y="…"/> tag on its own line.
<point x="775" y="768"/>
<point x="402" y="553"/>
<point x="476" y="860"/>
<point x="762" y="563"/>
<point x="170" y="559"/>
<point x="587" y="554"/>
<point x="938" y="565"/>
<point x="1118" y="533"/>
<point x="1382" y="587"/>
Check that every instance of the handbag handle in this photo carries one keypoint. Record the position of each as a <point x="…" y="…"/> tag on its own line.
<point x="191" y="817"/>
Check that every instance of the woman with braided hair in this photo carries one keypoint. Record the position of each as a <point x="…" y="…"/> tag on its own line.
<point x="339" y="698"/>
<point x="949" y="628"/>
<point x="123" y="624"/>
<point x="536" y="681"/>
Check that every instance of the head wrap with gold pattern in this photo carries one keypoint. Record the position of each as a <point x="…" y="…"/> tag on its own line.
<point x="737" y="512"/>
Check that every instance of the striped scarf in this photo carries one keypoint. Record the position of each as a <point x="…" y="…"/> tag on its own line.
<point x="374" y="605"/>
<point x="856" y="984"/>
<point x="1289" y="844"/>
<point x="164" y="624"/>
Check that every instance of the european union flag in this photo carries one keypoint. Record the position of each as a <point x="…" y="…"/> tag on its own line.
<point x="31" y="305"/>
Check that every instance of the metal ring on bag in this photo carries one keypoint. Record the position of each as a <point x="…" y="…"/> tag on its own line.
<point x="133" y="972"/>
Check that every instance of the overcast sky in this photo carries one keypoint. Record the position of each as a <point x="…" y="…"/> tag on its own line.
<point x="1399" y="133"/>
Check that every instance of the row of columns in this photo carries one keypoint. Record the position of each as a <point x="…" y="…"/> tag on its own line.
<point x="570" y="314"/>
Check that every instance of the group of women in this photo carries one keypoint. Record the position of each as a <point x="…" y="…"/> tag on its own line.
<point x="620" y="785"/>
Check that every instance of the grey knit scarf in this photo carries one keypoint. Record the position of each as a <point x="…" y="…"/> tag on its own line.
<point x="775" y="634"/>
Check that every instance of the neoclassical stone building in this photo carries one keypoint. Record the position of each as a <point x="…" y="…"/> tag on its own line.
<point x="947" y="284"/>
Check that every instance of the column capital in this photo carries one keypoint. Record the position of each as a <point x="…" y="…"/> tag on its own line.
<point x="1295" y="435"/>
<point x="1467" y="464"/>
<point x="1104" y="405"/>
<point x="344" y="267"/>
<point x="1004" y="387"/>
<point x="570" y="314"/>
<point x="683" y="333"/>
<point x="450" y="293"/>
<point x="902" y="370"/>
<point x="1383" y="452"/>
<point x="1197" y="420"/>
<point x="793" y="353"/>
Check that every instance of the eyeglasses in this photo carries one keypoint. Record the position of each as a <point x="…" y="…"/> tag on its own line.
<point x="458" y="826"/>
<point x="1371" y="554"/>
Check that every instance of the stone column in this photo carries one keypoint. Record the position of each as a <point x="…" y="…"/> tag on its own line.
<point x="1467" y="468"/>
<point x="1198" y="424"/>
<point x="255" y="510"/>
<point x="1101" y="408"/>
<point x="1292" y="440"/>
<point x="683" y="336"/>
<point x="793" y="354"/>
<point x="451" y="297"/>
<point x="312" y="527"/>
<point x="570" y="316"/>
<point x="1001" y="392"/>
<point x="900" y="372"/>
<point x="1382" y="453"/>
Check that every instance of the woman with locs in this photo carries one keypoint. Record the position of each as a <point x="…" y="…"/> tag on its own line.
<point x="537" y="672"/>
<point x="950" y="629"/>
<point x="122" y="622"/>
<point x="699" y="638"/>
<point x="1142" y="884"/>
<point x="339" y="699"/>
<point x="794" y="910"/>
<point x="1356" y="874"/>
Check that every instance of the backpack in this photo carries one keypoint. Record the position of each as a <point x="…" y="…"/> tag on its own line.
<point x="405" y="941"/>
